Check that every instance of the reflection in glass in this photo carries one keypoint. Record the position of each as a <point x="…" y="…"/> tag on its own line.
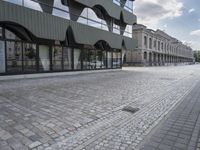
<point x="109" y="59"/>
<point x="77" y="59"/>
<point x="99" y="59"/>
<point x="18" y="2"/>
<point x="44" y="62"/>
<point x="85" y="58"/>
<point x="1" y="32"/>
<point x="32" y="5"/>
<point x="11" y="35"/>
<point x="116" y="28"/>
<point x="62" y="10"/>
<point x="67" y="58"/>
<point x="128" y="31"/>
<point x="57" y="57"/>
<point x="89" y="17"/>
<point x="14" y="56"/>
<point x="29" y="52"/>
<point x="2" y="57"/>
<point x="104" y="60"/>
<point x="92" y="58"/>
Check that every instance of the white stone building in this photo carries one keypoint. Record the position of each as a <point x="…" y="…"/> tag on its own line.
<point x="157" y="48"/>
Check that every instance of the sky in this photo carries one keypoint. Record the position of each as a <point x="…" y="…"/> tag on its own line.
<point x="178" y="18"/>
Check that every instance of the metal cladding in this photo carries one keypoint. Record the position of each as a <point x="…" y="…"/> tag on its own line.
<point x="46" y="26"/>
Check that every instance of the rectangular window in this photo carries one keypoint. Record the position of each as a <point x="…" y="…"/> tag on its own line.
<point x="150" y="43"/>
<point x="145" y="41"/>
<point x="67" y="58"/>
<point x="154" y="44"/>
<point x="158" y="45"/>
<point x="57" y="58"/>
<point x="44" y="59"/>
<point x="14" y="56"/>
<point x="29" y="52"/>
<point x="85" y="59"/>
<point x="2" y="57"/>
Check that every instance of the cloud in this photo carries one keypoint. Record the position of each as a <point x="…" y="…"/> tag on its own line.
<point x="195" y="33"/>
<point x="151" y="12"/>
<point x="191" y="10"/>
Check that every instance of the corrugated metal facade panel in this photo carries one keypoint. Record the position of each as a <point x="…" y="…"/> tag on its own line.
<point x="112" y="9"/>
<point x="46" y="26"/>
<point x="42" y="25"/>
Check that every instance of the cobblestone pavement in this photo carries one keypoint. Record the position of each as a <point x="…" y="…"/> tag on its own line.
<point x="181" y="129"/>
<point x="84" y="112"/>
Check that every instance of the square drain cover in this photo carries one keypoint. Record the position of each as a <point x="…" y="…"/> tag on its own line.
<point x="130" y="109"/>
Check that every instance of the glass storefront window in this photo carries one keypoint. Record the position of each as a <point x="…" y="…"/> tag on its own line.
<point x="44" y="61"/>
<point x="2" y="57"/>
<point x="77" y="59"/>
<point x="67" y="58"/>
<point x="92" y="58"/>
<point x="1" y="32"/>
<point x="29" y="52"/>
<point x="85" y="59"/>
<point x="99" y="60"/>
<point x="14" y="56"/>
<point x="57" y="57"/>
<point x="11" y="35"/>
<point x="104" y="59"/>
<point x="109" y="59"/>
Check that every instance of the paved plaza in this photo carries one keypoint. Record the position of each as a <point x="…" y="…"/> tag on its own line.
<point x="85" y="112"/>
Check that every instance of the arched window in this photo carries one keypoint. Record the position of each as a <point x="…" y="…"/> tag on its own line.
<point x="89" y="17"/>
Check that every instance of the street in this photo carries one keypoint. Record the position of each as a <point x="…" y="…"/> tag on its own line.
<point x="85" y="112"/>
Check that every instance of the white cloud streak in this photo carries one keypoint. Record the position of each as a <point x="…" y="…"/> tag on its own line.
<point x="191" y="10"/>
<point x="195" y="33"/>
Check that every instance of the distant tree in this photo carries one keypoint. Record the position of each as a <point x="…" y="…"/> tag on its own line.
<point x="197" y="55"/>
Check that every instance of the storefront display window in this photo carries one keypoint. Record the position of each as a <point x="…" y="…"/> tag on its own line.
<point x="67" y="58"/>
<point x="77" y="59"/>
<point x="44" y="61"/>
<point x="99" y="60"/>
<point x="85" y="59"/>
<point x="14" y="56"/>
<point x="57" y="57"/>
<point x="109" y="59"/>
<point x="92" y="58"/>
<point x="29" y="52"/>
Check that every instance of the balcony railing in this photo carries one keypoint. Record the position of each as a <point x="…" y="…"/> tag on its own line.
<point x="64" y="13"/>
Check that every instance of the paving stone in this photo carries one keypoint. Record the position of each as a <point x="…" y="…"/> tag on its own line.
<point x="82" y="111"/>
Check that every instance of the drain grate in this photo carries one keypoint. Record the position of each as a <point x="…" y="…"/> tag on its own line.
<point x="130" y="109"/>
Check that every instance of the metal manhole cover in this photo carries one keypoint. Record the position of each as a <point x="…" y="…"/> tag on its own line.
<point x="130" y="109"/>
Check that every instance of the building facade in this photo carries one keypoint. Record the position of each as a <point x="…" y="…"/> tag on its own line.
<point x="157" y="48"/>
<point x="39" y="36"/>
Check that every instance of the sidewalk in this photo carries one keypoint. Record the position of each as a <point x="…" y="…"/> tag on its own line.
<point x="181" y="129"/>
